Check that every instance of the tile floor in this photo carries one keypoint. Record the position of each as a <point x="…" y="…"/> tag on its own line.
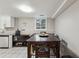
<point x="21" y="52"/>
<point x="16" y="52"/>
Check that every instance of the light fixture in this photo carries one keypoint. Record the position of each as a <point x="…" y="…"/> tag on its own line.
<point x="25" y="8"/>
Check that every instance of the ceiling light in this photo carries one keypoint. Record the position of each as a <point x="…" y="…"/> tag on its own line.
<point x="25" y="8"/>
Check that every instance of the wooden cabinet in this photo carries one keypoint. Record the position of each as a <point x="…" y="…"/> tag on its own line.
<point x="20" y="41"/>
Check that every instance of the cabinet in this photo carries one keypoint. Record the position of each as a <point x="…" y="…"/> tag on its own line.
<point x="9" y="21"/>
<point x="4" y="41"/>
<point x="21" y="41"/>
<point x="6" y="21"/>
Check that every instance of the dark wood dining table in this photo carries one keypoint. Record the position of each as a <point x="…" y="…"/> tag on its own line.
<point x="51" y="41"/>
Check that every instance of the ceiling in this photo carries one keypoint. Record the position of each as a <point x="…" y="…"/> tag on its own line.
<point x="49" y="8"/>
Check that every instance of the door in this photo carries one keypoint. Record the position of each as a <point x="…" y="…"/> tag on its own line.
<point x="4" y="42"/>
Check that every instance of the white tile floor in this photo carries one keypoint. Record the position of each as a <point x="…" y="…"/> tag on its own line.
<point x="16" y="52"/>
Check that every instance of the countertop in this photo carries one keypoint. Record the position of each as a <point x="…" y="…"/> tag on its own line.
<point x="4" y="35"/>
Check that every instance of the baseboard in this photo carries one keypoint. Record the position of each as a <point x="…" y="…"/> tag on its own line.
<point x="74" y="54"/>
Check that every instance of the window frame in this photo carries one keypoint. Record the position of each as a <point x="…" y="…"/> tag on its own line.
<point x="41" y="17"/>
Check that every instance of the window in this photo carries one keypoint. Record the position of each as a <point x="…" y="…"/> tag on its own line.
<point x="41" y="23"/>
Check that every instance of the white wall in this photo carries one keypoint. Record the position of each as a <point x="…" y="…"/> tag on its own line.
<point x="67" y="26"/>
<point x="30" y="25"/>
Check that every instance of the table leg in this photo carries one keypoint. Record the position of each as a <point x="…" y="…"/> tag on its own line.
<point x="58" y="51"/>
<point x="29" y="50"/>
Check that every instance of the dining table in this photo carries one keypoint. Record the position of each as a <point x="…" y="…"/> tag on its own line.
<point x="50" y="42"/>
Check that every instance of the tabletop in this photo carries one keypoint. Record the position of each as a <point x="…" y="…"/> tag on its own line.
<point x="37" y="38"/>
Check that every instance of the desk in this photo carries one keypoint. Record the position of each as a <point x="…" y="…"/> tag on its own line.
<point x="50" y="41"/>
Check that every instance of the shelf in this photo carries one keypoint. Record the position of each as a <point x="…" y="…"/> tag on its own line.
<point x="20" y="41"/>
<point x="20" y="46"/>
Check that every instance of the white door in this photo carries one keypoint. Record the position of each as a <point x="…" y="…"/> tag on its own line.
<point x="4" y="42"/>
